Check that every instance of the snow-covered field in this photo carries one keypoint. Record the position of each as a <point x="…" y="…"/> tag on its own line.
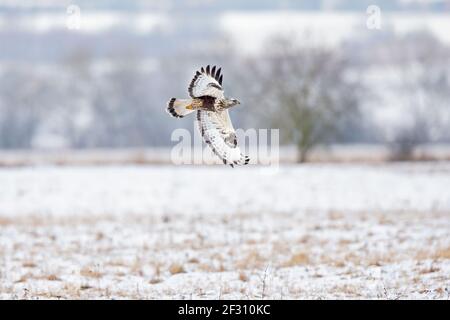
<point x="310" y="231"/>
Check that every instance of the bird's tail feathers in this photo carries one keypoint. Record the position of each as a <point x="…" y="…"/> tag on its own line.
<point x="179" y="108"/>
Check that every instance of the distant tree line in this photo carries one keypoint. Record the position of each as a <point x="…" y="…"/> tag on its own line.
<point x="314" y="94"/>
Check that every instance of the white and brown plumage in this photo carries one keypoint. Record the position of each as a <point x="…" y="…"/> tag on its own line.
<point x="208" y="99"/>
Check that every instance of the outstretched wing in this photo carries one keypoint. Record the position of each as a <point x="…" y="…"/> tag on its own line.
<point x="218" y="132"/>
<point x="207" y="82"/>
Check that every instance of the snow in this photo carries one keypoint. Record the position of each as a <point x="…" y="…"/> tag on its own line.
<point x="89" y="22"/>
<point x="311" y="231"/>
<point x="160" y="189"/>
<point x="251" y="30"/>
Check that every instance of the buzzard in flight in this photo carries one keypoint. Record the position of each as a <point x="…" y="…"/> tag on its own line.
<point x="208" y="99"/>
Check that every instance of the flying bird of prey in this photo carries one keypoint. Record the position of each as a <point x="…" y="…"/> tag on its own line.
<point x="208" y="99"/>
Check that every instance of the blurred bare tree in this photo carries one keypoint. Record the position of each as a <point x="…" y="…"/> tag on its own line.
<point x="25" y="101"/>
<point x="117" y="107"/>
<point x="423" y="86"/>
<point x="304" y="90"/>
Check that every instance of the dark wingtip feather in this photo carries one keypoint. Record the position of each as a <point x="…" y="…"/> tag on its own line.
<point x="217" y="75"/>
<point x="213" y="71"/>
<point x="191" y="85"/>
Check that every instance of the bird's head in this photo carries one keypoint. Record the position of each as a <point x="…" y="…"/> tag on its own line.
<point x="232" y="102"/>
